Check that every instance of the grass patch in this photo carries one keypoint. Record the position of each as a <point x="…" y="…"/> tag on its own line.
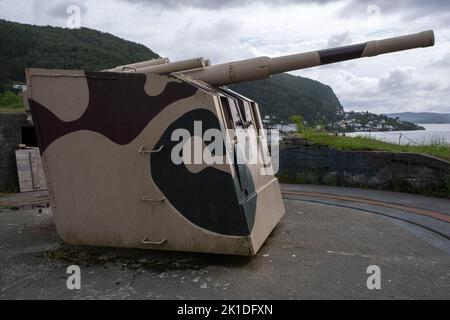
<point x="12" y="188"/>
<point x="437" y="148"/>
<point x="11" y="102"/>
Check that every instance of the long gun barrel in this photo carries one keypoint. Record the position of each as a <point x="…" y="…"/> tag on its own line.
<point x="139" y="65"/>
<point x="264" y="67"/>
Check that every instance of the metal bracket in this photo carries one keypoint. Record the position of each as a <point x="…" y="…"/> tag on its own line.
<point x="146" y="199"/>
<point x="155" y="243"/>
<point x="143" y="151"/>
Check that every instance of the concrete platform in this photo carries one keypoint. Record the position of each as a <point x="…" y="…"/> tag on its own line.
<point x="320" y="250"/>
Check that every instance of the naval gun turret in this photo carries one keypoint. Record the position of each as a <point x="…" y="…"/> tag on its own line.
<point x="156" y="154"/>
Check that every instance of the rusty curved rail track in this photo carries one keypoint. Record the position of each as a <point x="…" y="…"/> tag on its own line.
<point x="419" y="211"/>
<point x="42" y="198"/>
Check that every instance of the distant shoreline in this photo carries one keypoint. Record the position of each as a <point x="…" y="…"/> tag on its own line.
<point x="433" y="133"/>
<point x="422" y="117"/>
<point x="396" y="131"/>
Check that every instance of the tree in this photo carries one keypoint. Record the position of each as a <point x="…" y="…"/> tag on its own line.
<point x="299" y="122"/>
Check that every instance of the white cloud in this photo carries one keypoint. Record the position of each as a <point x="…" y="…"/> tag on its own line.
<point x="339" y="39"/>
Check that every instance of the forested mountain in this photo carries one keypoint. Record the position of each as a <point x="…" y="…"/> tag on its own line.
<point x="285" y="95"/>
<point x="23" y="45"/>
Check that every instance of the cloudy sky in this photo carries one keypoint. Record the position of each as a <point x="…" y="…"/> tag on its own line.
<point x="225" y="30"/>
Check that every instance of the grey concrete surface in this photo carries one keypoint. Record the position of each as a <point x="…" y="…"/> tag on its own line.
<point x="318" y="251"/>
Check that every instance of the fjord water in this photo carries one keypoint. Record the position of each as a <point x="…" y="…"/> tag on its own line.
<point x="433" y="133"/>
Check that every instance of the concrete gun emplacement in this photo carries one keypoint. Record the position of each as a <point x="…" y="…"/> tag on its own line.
<point x="107" y="144"/>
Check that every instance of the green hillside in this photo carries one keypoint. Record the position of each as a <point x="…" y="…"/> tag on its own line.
<point x="285" y="95"/>
<point x="24" y="46"/>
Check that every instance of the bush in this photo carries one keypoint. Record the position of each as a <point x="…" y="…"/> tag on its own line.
<point x="10" y="102"/>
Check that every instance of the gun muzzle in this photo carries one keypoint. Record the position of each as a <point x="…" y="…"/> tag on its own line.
<point x="264" y="67"/>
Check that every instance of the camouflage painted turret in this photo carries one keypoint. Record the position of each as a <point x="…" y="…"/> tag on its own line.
<point x="116" y="147"/>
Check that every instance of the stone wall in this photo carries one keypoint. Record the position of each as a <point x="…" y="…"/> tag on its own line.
<point x="10" y="137"/>
<point x="305" y="163"/>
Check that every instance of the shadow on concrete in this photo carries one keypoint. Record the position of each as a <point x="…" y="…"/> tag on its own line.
<point x="133" y="259"/>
